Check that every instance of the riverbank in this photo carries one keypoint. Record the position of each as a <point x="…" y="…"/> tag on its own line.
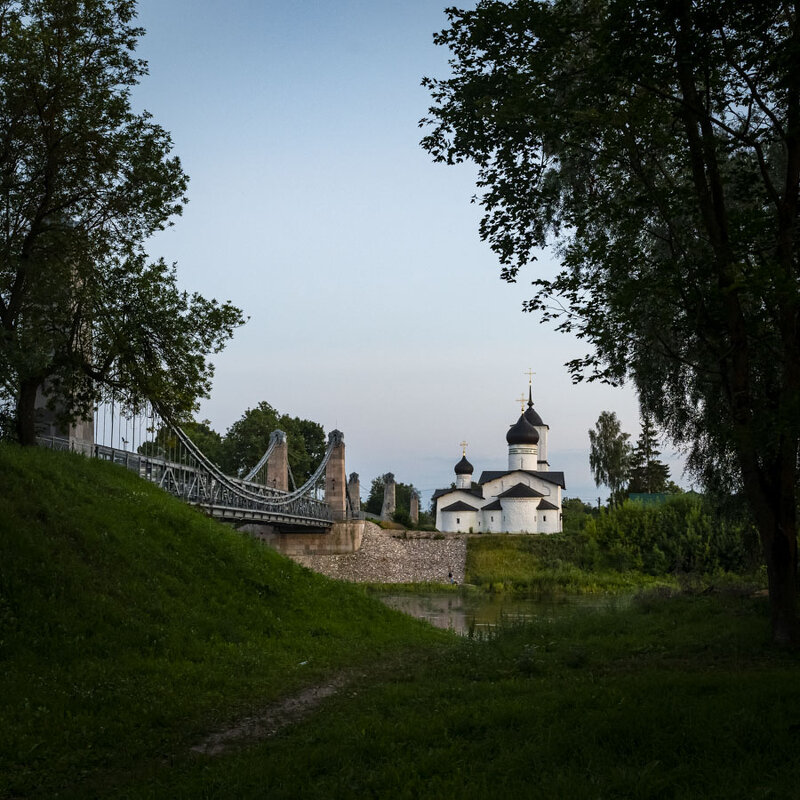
<point x="392" y="556"/>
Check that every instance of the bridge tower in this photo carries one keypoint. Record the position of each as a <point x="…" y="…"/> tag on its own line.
<point x="336" y="478"/>
<point x="389" y="496"/>
<point x="79" y="434"/>
<point x="414" y="510"/>
<point x="354" y="493"/>
<point x="278" y="463"/>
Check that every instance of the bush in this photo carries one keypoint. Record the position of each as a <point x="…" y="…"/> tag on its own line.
<point x="684" y="534"/>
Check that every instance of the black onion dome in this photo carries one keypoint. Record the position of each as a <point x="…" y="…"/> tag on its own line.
<point x="464" y="467"/>
<point x="531" y="414"/>
<point x="522" y="432"/>
<point x="533" y="417"/>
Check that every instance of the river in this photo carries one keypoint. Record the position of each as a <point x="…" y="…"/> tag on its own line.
<point x="474" y="613"/>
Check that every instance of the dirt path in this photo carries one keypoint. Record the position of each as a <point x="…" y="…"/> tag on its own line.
<point x="278" y="715"/>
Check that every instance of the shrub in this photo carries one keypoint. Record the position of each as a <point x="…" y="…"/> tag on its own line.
<point x="684" y="534"/>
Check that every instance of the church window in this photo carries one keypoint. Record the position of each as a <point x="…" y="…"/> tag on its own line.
<point x="544" y="517"/>
<point x="491" y="519"/>
<point x="458" y="521"/>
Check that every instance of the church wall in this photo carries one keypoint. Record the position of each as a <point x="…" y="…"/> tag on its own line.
<point x="454" y="497"/>
<point x="519" y="514"/>
<point x="549" y="521"/>
<point x="459" y="521"/>
<point x="551" y="491"/>
<point x="492" y="521"/>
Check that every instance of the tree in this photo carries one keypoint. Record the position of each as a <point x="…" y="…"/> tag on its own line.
<point x="83" y="183"/>
<point x="657" y="146"/>
<point x="610" y="454"/>
<point x="647" y="473"/>
<point x="247" y="439"/>
<point x="307" y="445"/>
<point x="374" y="504"/>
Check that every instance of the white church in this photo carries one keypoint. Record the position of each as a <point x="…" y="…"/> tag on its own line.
<point x="525" y="498"/>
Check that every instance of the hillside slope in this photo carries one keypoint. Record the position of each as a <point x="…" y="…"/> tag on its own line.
<point x="130" y="624"/>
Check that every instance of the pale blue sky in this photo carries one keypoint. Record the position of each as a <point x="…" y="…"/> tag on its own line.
<point x="374" y="307"/>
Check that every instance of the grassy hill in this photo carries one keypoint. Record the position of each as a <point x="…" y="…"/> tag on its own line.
<point x="131" y="627"/>
<point x="130" y="624"/>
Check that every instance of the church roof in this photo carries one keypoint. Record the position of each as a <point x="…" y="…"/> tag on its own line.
<point x="464" y="467"/>
<point x="520" y="490"/>
<point x="546" y="505"/>
<point x="460" y="505"/>
<point x="493" y="506"/>
<point x="550" y="477"/>
<point x="530" y="413"/>
<point x="475" y="492"/>
<point x="522" y="432"/>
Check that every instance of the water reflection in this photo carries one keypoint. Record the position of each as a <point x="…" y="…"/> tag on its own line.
<point x="482" y="612"/>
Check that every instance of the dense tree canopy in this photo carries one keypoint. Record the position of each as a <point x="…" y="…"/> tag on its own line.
<point x="657" y="146"/>
<point x="84" y="181"/>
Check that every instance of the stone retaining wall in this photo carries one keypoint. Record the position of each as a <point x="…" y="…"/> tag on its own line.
<point x="390" y="556"/>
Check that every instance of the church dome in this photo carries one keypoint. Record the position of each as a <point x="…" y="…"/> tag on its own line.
<point x="522" y="432"/>
<point x="464" y="467"/>
<point x="533" y="417"/>
<point x="531" y="414"/>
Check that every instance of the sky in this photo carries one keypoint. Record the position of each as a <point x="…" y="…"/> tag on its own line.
<point x="373" y="305"/>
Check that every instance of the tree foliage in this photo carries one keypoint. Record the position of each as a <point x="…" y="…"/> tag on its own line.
<point x="247" y="438"/>
<point x="656" y="145"/>
<point x="84" y="181"/>
<point x="647" y="473"/>
<point x="610" y="454"/>
<point x="686" y="534"/>
<point x="402" y="498"/>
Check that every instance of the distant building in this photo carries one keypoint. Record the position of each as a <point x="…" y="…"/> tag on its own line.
<point x="525" y="498"/>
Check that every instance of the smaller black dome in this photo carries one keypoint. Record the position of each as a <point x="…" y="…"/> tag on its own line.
<point x="464" y="467"/>
<point x="522" y="432"/>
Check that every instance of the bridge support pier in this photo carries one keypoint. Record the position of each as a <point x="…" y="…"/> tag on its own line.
<point x="343" y="537"/>
<point x="336" y="478"/>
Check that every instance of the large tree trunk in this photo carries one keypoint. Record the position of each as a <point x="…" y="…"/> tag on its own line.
<point x="26" y="412"/>
<point x="774" y="504"/>
<point x="780" y="552"/>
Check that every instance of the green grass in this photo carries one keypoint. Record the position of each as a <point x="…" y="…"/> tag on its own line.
<point x="547" y="563"/>
<point x="672" y="697"/>
<point x="130" y="623"/>
<point x="131" y="626"/>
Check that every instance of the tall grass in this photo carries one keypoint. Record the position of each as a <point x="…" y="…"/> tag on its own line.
<point x="545" y="563"/>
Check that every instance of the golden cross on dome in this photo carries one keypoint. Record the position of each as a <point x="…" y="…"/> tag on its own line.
<point x="463" y="446"/>
<point x="521" y="401"/>
<point x="530" y="373"/>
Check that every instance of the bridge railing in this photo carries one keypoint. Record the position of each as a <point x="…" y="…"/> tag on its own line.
<point x="187" y="473"/>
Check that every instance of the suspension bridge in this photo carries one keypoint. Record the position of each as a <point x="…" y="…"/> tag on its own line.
<point x="166" y="456"/>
